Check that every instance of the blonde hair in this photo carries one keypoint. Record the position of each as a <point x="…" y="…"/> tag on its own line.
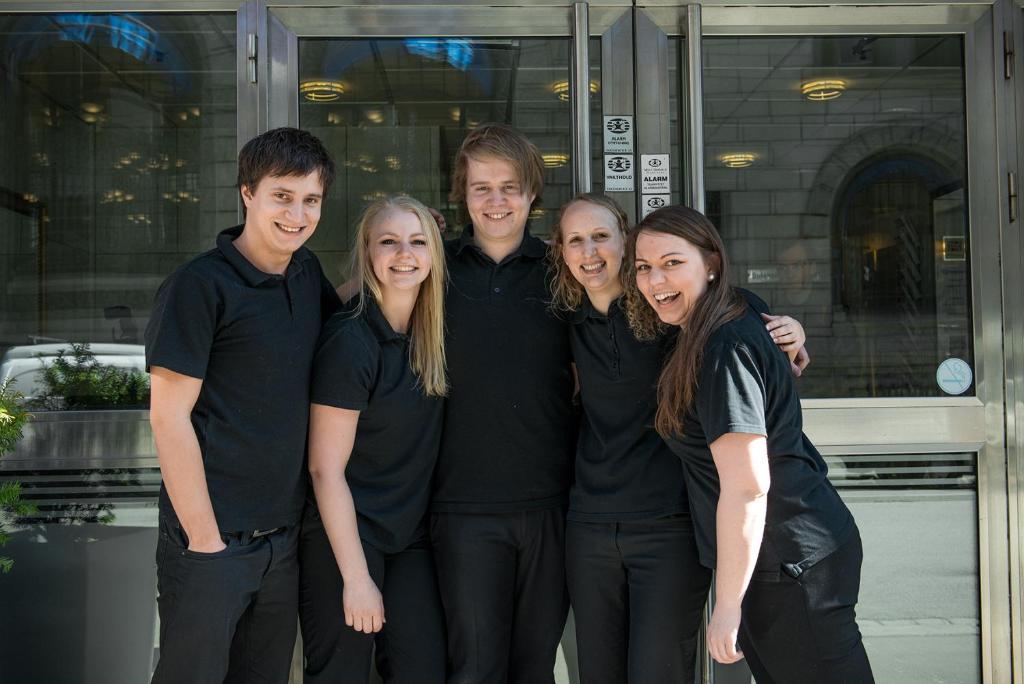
<point x="499" y="141"/>
<point x="426" y="327"/>
<point x="566" y="292"/>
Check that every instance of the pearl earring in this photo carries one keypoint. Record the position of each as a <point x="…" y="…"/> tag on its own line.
<point x="711" y="277"/>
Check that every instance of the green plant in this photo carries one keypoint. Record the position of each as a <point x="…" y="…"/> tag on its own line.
<point x="12" y="423"/>
<point x="77" y="381"/>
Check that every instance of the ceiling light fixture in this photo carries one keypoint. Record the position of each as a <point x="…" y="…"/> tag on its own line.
<point x="561" y="89"/>
<point x="738" y="160"/>
<point x="321" y="90"/>
<point x="553" y="160"/>
<point x="822" y="89"/>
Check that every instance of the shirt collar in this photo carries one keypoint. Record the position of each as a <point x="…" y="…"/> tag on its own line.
<point x="375" y="318"/>
<point x="531" y="246"/>
<point x="586" y="310"/>
<point x="252" y="275"/>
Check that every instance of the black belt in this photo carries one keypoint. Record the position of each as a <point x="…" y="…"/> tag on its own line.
<point x="248" y="535"/>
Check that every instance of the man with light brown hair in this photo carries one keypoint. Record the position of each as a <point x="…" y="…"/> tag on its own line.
<point x="504" y="470"/>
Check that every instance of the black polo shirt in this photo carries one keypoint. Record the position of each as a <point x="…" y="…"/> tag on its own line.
<point x="362" y="364"/>
<point x="509" y="427"/>
<point x="624" y="470"/>
<point x="746" y="386"/>
<point x="250" y="336"/>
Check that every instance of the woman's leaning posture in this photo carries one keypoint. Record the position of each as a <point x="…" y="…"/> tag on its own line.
<point x="786" y="550"/>
<point x="637" y="586"/>
<point x="367" y="575"/>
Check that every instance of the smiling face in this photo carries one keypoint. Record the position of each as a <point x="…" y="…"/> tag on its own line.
<point x="592" y="247"/>
<point x="281" y="213"/>
<point x="497" y="203"/>
<point x="672" y="274"/>
<point x="398" y="250"/>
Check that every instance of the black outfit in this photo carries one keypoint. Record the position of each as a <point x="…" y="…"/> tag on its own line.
<point x="505" y="466"/>
<point x="746" y="386"/>
<point x="250" y="336"/>
<point x="362" y="364"/>
<point x="637" y="586"/>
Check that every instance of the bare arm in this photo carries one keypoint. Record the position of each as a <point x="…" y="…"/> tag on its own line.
<point x="181" y="462"/>
<point x="332" y="433"/>
<point x="742" y="463"/>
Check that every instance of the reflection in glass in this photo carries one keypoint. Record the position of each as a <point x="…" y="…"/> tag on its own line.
<point x="80" y="601"/>
<point x="918" y="609"/>
<point x="835" y="170"/>
<point x="117" y="148"/>
<point x="394" y="112"/>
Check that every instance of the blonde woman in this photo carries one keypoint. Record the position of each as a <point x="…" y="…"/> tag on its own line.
<point x="379" y="381"/>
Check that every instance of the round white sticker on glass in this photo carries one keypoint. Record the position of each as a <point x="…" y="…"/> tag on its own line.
<point x="954" y="376"/>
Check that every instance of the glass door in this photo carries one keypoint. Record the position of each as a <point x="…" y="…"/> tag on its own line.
<point x="392" y="91"/>
<point x="834" y="154"/>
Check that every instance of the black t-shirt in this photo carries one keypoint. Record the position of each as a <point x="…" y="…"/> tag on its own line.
<point x="746" y="386"/>
<point x="624" y="470"/>
<point x="509" y="427"/>
<point x="362" y="364"/>
<point x="250" y="336"/>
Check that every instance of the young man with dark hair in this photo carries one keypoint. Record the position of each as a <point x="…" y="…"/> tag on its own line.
<point x="509" y="434"/>
<point x="229" y="347"/>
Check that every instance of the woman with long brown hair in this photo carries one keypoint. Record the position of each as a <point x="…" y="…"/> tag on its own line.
<point x="785" y="549"/>
<point x="378" y="386"/>
<point x="636" y="584"/>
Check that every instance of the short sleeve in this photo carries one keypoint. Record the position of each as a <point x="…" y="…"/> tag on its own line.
<point x="182" y="325"/>
<point x="345" y="366"/>
<point x="731" y="395"/>
<point x="755" y="302"/>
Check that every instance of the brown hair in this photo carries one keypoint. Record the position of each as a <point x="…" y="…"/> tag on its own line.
<point x="566" y="292"/>
<point x="719" y="304"/>
<point x="499" y="141"/>
<point x="283" y="152"/>
<point x="426" y="349"/>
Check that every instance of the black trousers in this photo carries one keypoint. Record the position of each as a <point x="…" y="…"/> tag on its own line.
<point x="227" y="616"/>
<point x="409" y="649"/>
<point x="804" y="629"/>
<point x="502" y="579"/>
<point x="638" y="592"/>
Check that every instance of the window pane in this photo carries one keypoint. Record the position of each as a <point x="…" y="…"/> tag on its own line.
<point x="918" y="519"/>
<point x="394" y="112"/>
<point x="835" y="170"/>
<point x="117" y="148"/>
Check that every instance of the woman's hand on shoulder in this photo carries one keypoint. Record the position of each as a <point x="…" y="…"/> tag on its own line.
<point x="790" y="337"/>
<point x="364" y="605"/>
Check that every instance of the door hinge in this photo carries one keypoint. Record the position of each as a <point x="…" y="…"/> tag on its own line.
<point x="1008" y="55"/>
<point x="250" y="56"/>
<point x="1011" y="187"/>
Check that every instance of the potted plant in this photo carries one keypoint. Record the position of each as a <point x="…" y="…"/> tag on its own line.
<point x="12" y="421"/>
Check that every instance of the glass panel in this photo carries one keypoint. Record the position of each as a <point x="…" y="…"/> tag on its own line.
<point x="835" y="170"/>
<point x="394" y="112"/>
<point x="84" y="577"/>
<point x="117" y="149"/>
<point x="918" y="518"/>
<point x="918" y="609"/>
